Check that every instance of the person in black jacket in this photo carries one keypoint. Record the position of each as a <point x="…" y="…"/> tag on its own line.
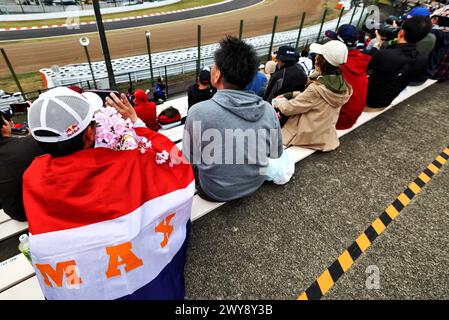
<point x="290" y="76"/>
<point x="16" y="154"/>
<point x="202" y="90"/>
<point x="392" y="69"/>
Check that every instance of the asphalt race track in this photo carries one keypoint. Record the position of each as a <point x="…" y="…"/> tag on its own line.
<point x="117" y="25"/>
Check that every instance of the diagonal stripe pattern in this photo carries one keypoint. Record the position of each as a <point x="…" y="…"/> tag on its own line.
<point x="330" y="276"/>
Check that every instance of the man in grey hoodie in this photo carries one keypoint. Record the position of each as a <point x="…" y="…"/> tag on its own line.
<point x="230" y="137"/>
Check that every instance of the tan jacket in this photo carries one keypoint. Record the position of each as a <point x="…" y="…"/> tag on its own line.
<point x="313" y="115"/>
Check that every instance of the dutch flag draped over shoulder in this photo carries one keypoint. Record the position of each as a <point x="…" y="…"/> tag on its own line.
<point x="108" y="224"/>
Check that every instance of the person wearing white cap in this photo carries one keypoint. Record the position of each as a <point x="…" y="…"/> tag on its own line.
<point x="95" y="209"/>
<point x="313" y="114"/>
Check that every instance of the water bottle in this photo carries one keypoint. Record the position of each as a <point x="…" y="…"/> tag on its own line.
<point x="24" y="246"/>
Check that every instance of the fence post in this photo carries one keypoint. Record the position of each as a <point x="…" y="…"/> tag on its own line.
<point x="301" y="26"/>
<point x="130" y="81"/>
<point x="353" y="14"/>
<point x="150" y="60"/>
<point x="11" y="69"/>
<point x="339" y="18"/>
<point x="166" y="81"/>
<point x="21" y="7"/>
<point x="322" y="24"/>
<point x="275" y="23"/>
<point x="104" y="45"/>
<point x="42" y="5"/>
<point x="241" y="30"/>
<point x="199" y="52"/>
<point x="361" y="16"/>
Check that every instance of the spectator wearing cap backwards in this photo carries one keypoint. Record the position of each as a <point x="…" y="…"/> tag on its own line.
<point x="202" y="90"/>
<point x="16" y="154"/>
<point x="98" y="215"/>
<point x="438" y="64"/>
<point x="313" y="113"/>
<point x="145" y="109"/>
<point x="290" y="76"/>
<point x="392" y="69"/>
<point x="354" y="72"/>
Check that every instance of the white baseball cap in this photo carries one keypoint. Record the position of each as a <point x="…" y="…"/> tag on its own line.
<point x="61" y="114"/>
<point x="335" y="52"/>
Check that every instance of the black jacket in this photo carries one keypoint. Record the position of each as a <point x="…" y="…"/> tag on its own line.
<point x="195" y="95"/>
<point x="16" y="154"/>
<point x="289" y="79"/>
<point x="391" y="70"/>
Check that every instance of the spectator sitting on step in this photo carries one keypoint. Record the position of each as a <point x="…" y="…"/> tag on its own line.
<point x="354" y="72"/>
<point x="146" y="110"/>
<point x="258" y="84"/>
<point x="392" y="69"/>
<point x="425" y="46"/>
<point x="438" y="64"/>
<point x="202" y="90"/>
<point x="159" y="92"/>
<point x="129" y="96"/>
<point x="16" y="154"/>
<point x="313" y="114"/>
<point x="109" y="206"/>
<point x="231" y="136"/>
<point x="289" y="77"/>
<point x="305" y="62"/>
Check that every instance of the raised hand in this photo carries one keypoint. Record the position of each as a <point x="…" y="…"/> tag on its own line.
<point x="123" y="106"/>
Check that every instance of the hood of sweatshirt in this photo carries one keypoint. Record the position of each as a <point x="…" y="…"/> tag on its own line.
<point x="334" y="90"/>
<point x="243" y="104"/>
<point x="140" y="96"/>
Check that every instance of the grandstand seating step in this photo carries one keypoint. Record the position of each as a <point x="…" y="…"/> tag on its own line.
<point x="18" y="278"/>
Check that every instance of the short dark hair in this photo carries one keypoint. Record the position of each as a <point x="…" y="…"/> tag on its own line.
<point x="305" y="52"/>
<point x="63" y="148"/>
<point x="416" y="28"/>
<point x="237" y="62"/>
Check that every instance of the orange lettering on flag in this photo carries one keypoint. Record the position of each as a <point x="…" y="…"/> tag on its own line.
<point x="67" y="268"/>
<point x="165" y="228"/>
<point x="128" y="258"/>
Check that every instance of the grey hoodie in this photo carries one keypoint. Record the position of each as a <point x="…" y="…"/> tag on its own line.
<point x="230" y="138"/>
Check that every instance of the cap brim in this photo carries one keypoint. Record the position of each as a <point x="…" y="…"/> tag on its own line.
<point x="331" y="35"/>
<point x="316" y="48"/>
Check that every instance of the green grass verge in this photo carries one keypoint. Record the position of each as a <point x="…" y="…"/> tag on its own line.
<point x="185" y="4"/>
<point x="31" y="81"/>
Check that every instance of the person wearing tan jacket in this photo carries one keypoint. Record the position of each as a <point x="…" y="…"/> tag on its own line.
<point x="313" y="113"/>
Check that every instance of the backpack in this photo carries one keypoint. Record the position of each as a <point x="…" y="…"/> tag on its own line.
<point x="169" y="115"/>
